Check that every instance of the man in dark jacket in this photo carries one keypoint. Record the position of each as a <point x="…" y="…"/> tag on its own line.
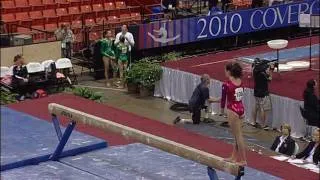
<point x="284" y="144"/>
<point x="198" y="99"/>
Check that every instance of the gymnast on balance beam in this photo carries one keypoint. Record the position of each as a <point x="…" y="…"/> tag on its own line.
<point x="233" y="90"/>
<point x="198" y="100"/>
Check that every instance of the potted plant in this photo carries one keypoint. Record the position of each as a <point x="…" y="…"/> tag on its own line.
<point x="150" y="74"/>
<point x="132" y="78"/>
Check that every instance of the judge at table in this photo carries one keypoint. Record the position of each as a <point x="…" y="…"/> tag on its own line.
<point x="284" y="144"/>
<point x="311" y="154"/>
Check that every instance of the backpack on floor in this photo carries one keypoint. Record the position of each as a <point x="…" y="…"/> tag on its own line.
<point x="40" y="93"/>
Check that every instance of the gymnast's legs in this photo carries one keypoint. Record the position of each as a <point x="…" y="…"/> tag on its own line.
<point x="239" y="150"/>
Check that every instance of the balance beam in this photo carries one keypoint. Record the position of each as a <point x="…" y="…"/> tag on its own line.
<point x="172" y="147"/>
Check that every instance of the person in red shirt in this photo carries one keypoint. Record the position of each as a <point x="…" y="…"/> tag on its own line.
<point x="234" y="91"/>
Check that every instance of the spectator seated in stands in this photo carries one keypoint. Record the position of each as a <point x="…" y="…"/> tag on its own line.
<point x="169" y="8"/>
<point x="214" y="11"/>
<point x="311" y="154"/>
<point x="284" y="144"/>
<point x="20" y="77"/>
<point x="168" y="5"/>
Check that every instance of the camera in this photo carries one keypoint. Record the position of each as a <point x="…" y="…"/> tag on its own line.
<point x="261" y="65"/>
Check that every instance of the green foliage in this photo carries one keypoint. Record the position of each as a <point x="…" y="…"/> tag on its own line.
<point x="151" y="58"/>
<point x="150" y="75"/>
<point x="133" y="74"/>
<point x="145" y="73"/>
<point x="171" y="56"/>
<point x="86" y="93"/>
<point x="7" y="97"/>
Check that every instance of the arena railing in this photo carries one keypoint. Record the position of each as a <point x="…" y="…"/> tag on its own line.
<point x="36" y="35"/>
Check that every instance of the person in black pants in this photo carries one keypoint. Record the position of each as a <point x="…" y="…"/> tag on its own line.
<point x="262" y="75"/>
<point x="198" y="99"/>
<point x="20" y="77"/>
<point x="284" y="144"/>
<point x="311" y="154"/>
<point x="311" y="104"/>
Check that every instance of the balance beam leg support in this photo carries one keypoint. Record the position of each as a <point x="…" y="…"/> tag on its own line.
<point x="212" y="174"/>
<point x="55" y="156"/>
<point x="56" y="125"/>
<point x="167" y="145"/>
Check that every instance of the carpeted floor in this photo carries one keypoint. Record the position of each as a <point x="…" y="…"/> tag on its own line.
<point x="288" y="84"/>
<point x="39" y="108"/>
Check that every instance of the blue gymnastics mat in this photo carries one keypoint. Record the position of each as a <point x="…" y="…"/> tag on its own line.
<point x="138" y="161"/>
<point x="28" y="140"/>
<point x="285" y="55"/>
<point x="129" y="162"/>
<point x="47" y="171"/>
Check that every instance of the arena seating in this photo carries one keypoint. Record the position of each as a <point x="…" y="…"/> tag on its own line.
<point x="40" y="18"/>
<point x="53" y="11"/>
<point x="240" y="4"/>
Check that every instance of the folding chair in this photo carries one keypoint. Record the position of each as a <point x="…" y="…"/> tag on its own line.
<point x="36" y="76"/>
<point x="35" y="71"/>
<point x="136" y="17"/>
<point x="46" y="64"/>
<point x="296" y="148"/>
<point x="4" y="71"/>
<point x="47" y="67"/>
<point x="22" y="5"/>
<point x="125" y="18"/>
<point x="8" y="18"/>
<point x="64" y="65"/>
<point x="8" y="7"/>
<point x="6" y="76"/>
<point x="11" y="70"/>
<point x="113" y="21"/>
<point x="109" y="6"/>
<point x="121" y="5"/>
<point x="36" y="4"/>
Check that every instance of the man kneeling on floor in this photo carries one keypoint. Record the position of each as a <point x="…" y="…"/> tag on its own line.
<point x="197" y="101"/>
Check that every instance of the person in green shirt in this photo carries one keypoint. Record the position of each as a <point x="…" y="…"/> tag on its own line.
<point x="108" y="55"/>
<point x="123" y="56"/>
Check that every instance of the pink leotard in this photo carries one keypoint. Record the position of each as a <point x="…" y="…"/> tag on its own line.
<point x="234" y="95"/>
